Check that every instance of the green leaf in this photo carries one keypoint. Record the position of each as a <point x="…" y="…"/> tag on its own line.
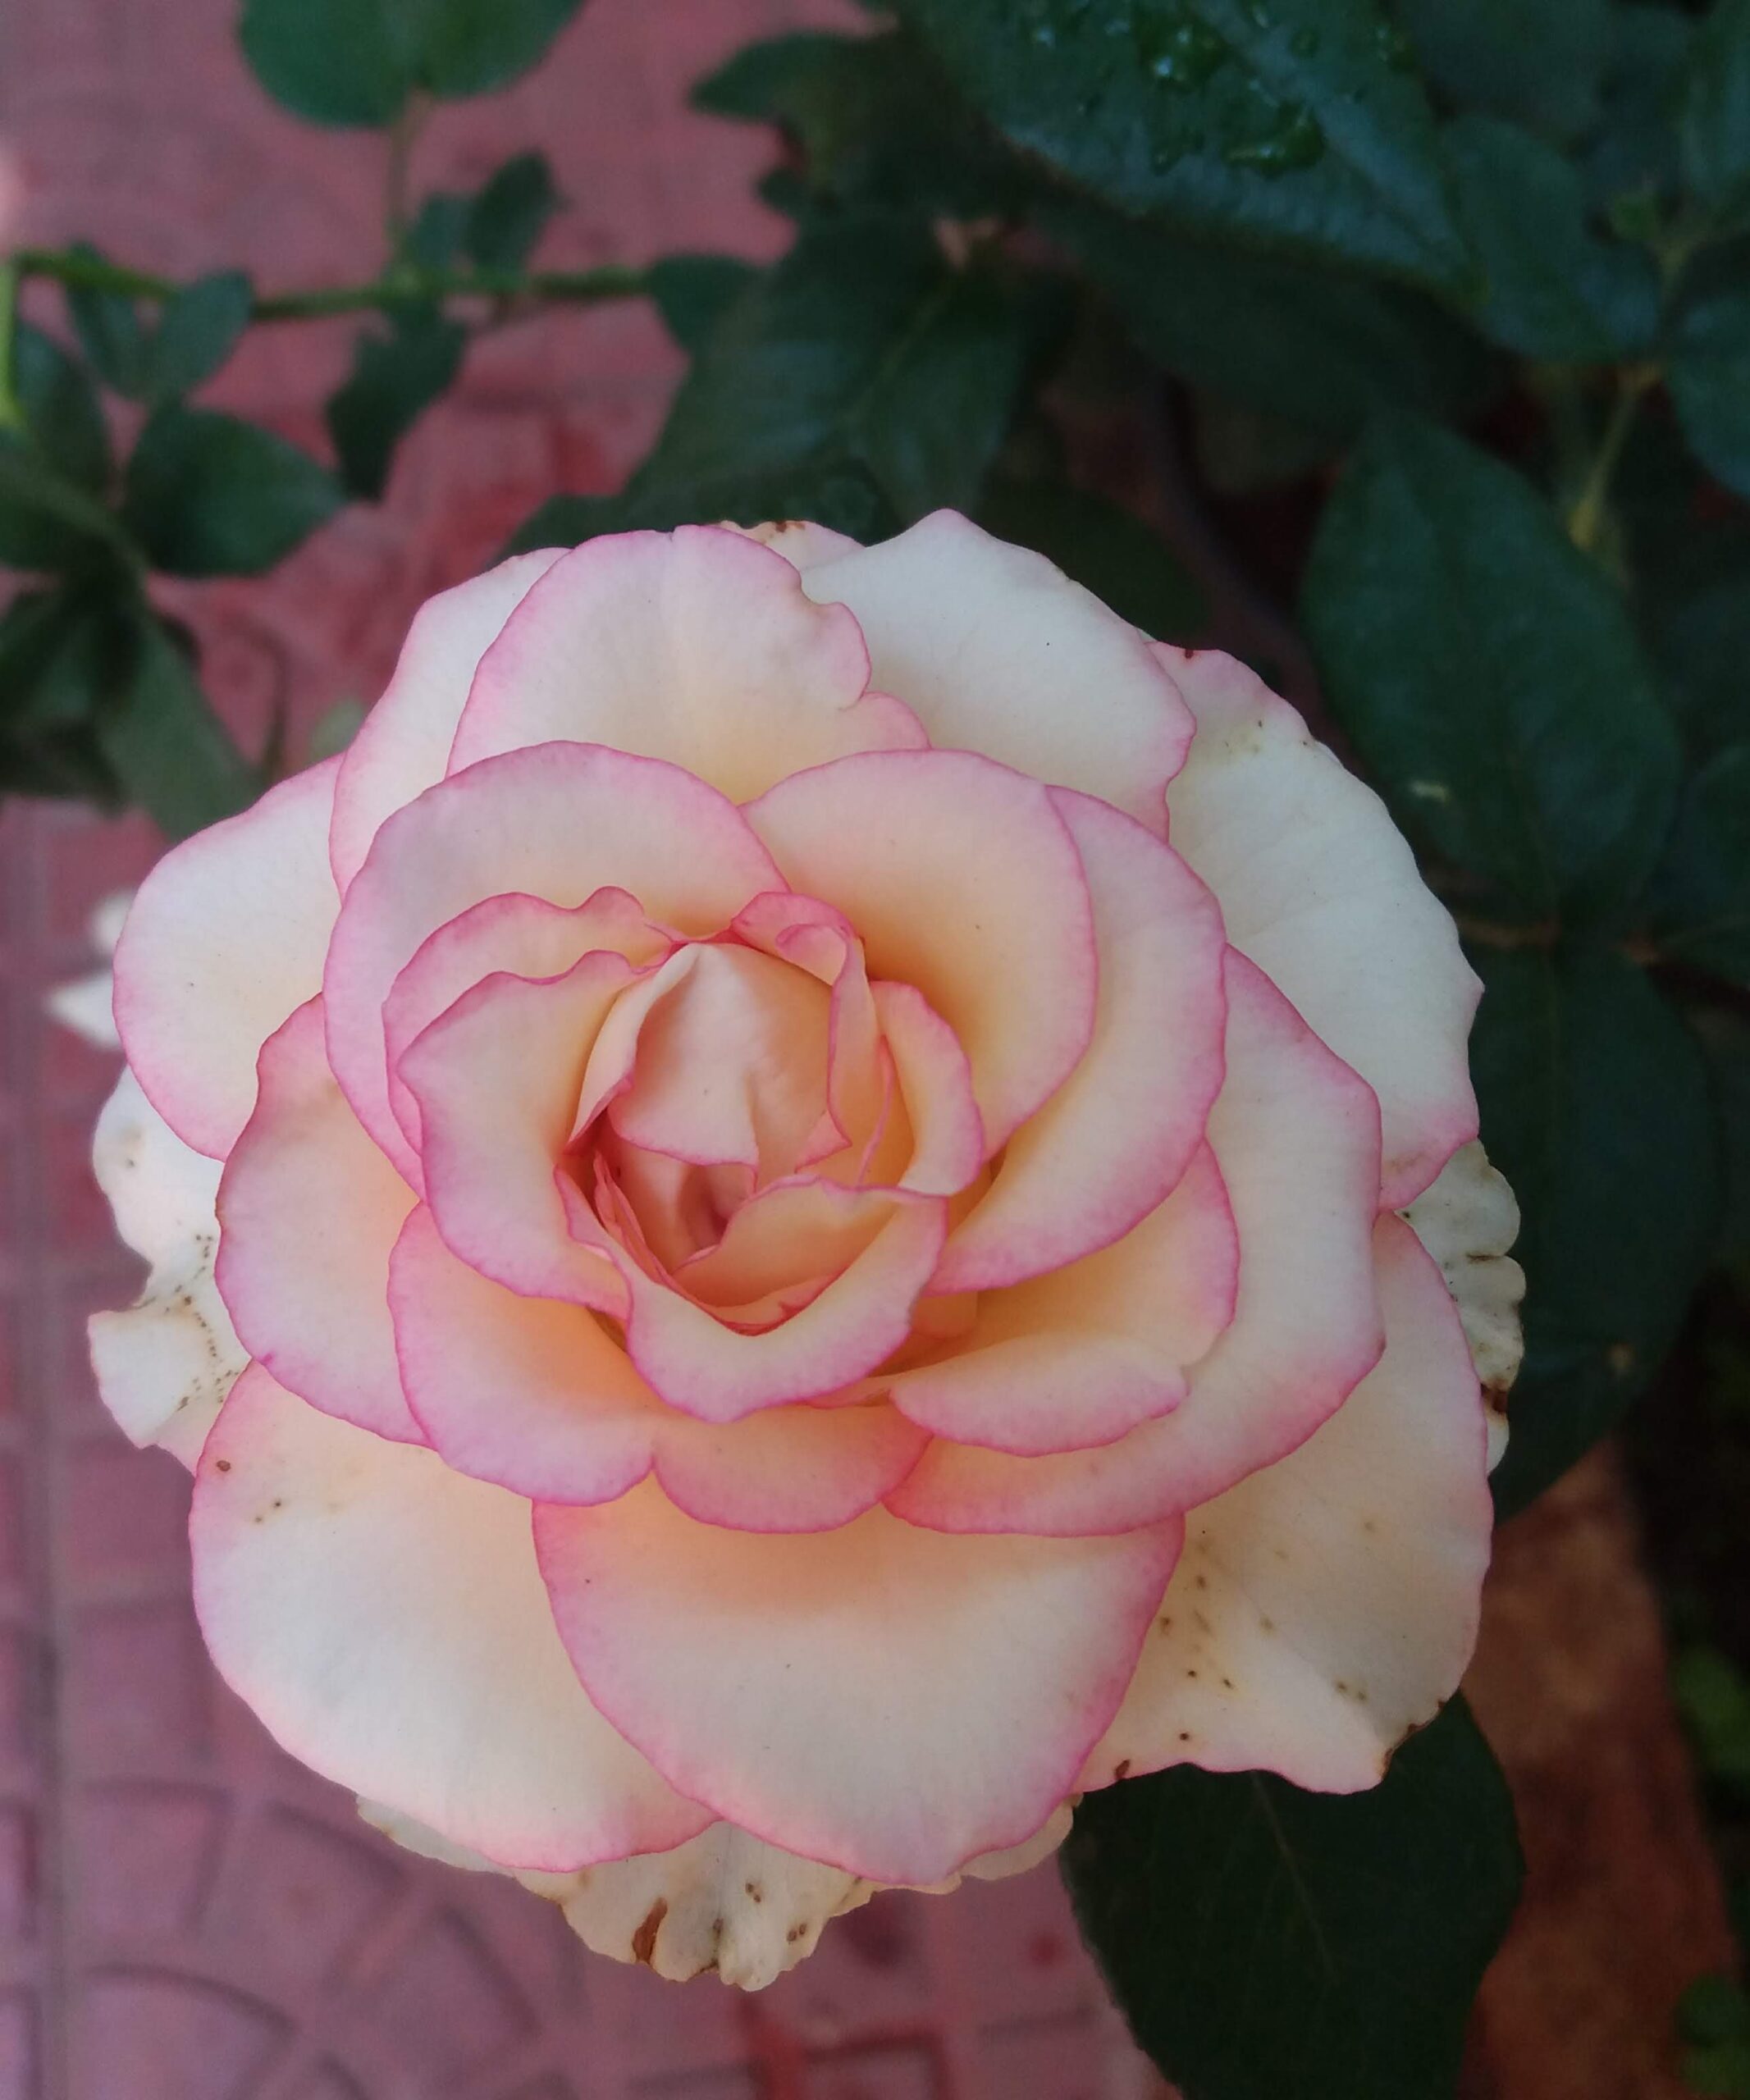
<point x="1540" y="66"/>
<point x="434" y="239"/>
<point x="209" y="495"/>
<point x="1489" y="674"/>
<point x="934" y="416"/>
<point x="876" y="123"/>
<point x="64" y="446"/>
<point x="1710" y="381"/>
<point x="394" y="379"/>
<point x="1714" y="121"/>
<point x="1325" y="350"/>
<point x="170" y="751"/>
<point x="1713" y="1697"/>
<point x="1724" y="1038"/>
<point x="198" y="329"/>
<point x="1103" y="548"/>
<point x="1700" y="900"/>
<point x="506" y="218"/>
<point x="1635" y="151"/>
<point x="1265" y="1942"/>
<point x="1295" y="124"/>
<point x="1556" y="289"/>
<point x="692" y="292"/>
<point x="356" y="62"/>
<point x="1595" y="1105"/>
<point x="109" y="330"/>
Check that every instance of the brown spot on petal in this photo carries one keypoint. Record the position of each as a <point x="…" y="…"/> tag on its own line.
<point x="796" y="1933"/>
<point x="755" y="1894"/>
<point x="644" y="1939"/>
<point x="223" y="1465"/>
<point x="1121" y="1769"/>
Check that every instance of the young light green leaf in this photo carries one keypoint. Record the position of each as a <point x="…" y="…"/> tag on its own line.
<point x="1714" y="121"/>
<point x="1102" y="547"/>
<point x="1295" y="124"/>
<point x="198" y="329"/>
<point x="394" y="379"/>
<point x="1700" y="900"/>
<point x="1262" y="1940"/>
<point x="208" y="495"/>
<point x="1555" y="290"/>
<point x="1540" y="66"/>
<point x="169" y="751"/>
<point x="1489" y="674"/>
<point x="1325" y="350"/>
<point x="1595" y="1106"/>
<point x="692" y="292"/>
<point x="507" y="216"/>
<point x="1709" y="382"/>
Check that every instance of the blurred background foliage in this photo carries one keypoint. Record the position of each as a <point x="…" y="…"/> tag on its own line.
<point x="1415" y="335"/>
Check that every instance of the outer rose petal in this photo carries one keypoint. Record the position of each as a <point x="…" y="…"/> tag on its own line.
<point x="1328" y="1605"/>
<point x="999" y="652"/>
<point x="1078" y="1358"/>
<point x="1467" y="1219"/>
<point x="961" y="878"/>
<point x="309" y="1209"/>
<point x="1296" y="1136"/>
<point x="697" y="646"/>
<point x="888" y="1700"/>
<point x="1319" y="888"/>
<point x="384" y="1617"/>
<point x="1112" y="1140"/>
<point x="559" y="821"/>
<point x="403" y="745"/>
<point x="533" y="1394"/>
<point x="226" y="935"/>
<point x="803" y="545"/>
<point x="165" y="1365"/>
<point x="722" y="1902"/>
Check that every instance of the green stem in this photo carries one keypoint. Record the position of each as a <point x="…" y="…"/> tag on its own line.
<point x="1586" y="519"/>
<point x="11" y="408"/>
<point x="577" y="287"/>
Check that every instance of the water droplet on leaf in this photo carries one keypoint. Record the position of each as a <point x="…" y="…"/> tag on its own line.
<point x="1295" y="140"/>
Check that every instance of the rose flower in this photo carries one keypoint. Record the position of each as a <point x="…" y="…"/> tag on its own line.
<point x="798" y="1212"/>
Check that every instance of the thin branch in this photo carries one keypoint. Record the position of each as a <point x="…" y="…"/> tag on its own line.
<point x="1586" y="520"/>
<point x="11" y="408"/>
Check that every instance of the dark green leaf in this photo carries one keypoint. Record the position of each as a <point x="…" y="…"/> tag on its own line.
<point x="1295" y="124"/>
<point x="63" y="441"/>
<point x="1714" y="124"/>
<point x="506" y="218"/>
<point x="434" y="239"/>
<point x="209" y="495"/>
<point x="692" y="292"/>
<point x="1268" y="1944"/>
<point x="58" y="652"/>
<point x="1540" y="65"/>
<point x="1724" y="1038"/>
<point x="1489" y="674"/>
<point x="1556" y="288"/>
<point x="933" y="417"/>
<point x="1709" y="382"/>
<point x="1595" y="1106"/>
<point x="1635" y="148"/>
<point x="831" y="489"/>
<point x="1326" y="351"/>
<point x="394" y="379"/>
<point x="1700" y="901"/>
<point x="356" y="62"/>
<point x="170" y="751"/>
<point x="1105" y="548"/>
<point x="109" y="328"/>
<point x="876" y="123"/>
<point x="198" y="330"/>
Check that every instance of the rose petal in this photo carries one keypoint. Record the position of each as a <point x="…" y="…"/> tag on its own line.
<point x="1319" y="888"/>
<point x="1328" y="1605"/>
<point x="935" y="1084"/>
<point x="1467" y="1219"/>
<point x="496" y="1080"/>
<point x="309" y="1210"/>
<point x="1296" y="1136"/>
<point x="803" y="545"/>
<point x="962" y="879"/>
<point x="226" y="937"/>
<point x="1077" y="1358"/>
<point x="697" y="647"/>
<point x="888" y="1700"/>
<point x="1110" y="1144"/>
<point x="999" y="652"/>
<point x="559" y="821"/>
<point x="384" y="1617"/>
<point x="403" y="745"/>
<point x="164" y="1365"/>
